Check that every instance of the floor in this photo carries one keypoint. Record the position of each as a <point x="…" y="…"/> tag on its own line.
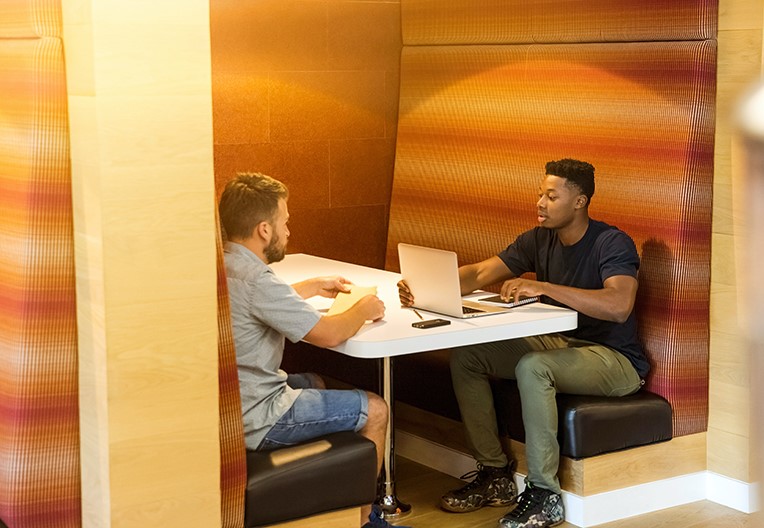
<point x="422" y="487"/>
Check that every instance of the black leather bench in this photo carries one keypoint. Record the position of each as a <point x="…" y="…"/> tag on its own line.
<point x="588" y="425"/>
<point x="592" y="425"/>
<point x="333" y="472"/>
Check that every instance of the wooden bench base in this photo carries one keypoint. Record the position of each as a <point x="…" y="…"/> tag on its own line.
<point x="588" y="476"/>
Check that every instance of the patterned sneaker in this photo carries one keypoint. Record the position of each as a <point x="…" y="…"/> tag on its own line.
<point x="537" y="508"/>
<point x="492" y="487"/>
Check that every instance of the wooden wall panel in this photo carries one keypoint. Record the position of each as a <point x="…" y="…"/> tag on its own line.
<point x="731" y="444"/>
<point x="142" y="180"/>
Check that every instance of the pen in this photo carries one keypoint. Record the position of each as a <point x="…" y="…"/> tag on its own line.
<point x="418" y="314"/>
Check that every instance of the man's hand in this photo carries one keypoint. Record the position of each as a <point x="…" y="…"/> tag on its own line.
<point x="404" y="293"/>
<point x="515" y="289"/>
<point x="332" y="330"/>
<point x="370" y="307"/>
<point x="331" y="286"/>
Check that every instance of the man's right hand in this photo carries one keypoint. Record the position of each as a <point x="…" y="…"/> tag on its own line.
<point x="370" y="307"/>
<point x="405" y="295"/>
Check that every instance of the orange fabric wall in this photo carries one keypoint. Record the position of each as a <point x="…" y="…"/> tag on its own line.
<point x="491" y="90"/>
<point x="39" y="419"/>
<point x="307" y="92"/>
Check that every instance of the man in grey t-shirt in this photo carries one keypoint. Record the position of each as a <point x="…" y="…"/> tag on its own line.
<point x="280" y="409"/>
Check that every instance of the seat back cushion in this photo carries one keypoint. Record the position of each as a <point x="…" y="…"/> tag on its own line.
<point x="39" y="417"/>
<point x="478" y="123"/>
<point x="233" y="464"/>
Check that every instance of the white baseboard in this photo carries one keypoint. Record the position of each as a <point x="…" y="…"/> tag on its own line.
<point x="735" y="494"/>
<point x="603" y="507"/>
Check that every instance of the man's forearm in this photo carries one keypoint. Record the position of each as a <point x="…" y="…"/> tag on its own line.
<point x="608" y="304"/>
<point x="306" y="289"/>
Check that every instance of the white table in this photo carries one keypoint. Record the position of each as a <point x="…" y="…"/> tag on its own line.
<point x="394" y="335"/>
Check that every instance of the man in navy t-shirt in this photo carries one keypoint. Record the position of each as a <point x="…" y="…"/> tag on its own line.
<point x="580" y="263"/>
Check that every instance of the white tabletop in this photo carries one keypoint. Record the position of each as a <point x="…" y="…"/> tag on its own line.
<point x="394" y="335"/>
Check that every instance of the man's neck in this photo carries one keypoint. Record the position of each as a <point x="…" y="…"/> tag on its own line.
<point x="252" y="245"/>
<point x="573" y="232"/>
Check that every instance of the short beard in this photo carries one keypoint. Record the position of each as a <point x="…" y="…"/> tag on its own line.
<point x="275" y="251"/>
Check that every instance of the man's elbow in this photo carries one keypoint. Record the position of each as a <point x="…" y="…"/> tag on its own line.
<point x="324" y="335"/>
<point x="323" y="340"/>
<point x="621" y="315"/>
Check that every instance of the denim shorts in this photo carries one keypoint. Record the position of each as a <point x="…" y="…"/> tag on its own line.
<point x="317" y="412"/>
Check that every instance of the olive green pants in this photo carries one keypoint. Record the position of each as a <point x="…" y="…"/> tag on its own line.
<point x="542" y="365"/>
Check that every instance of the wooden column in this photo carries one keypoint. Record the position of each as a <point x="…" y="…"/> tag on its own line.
<point x="751" y="126"/>
<point x="730" y="440"/>
<point x="141" y="146"/>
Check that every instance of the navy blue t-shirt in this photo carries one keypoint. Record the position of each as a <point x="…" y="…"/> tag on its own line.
<point x="603" y="252"/>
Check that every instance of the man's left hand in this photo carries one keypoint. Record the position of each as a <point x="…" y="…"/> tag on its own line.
<point x="331" y="286"/>
<point x="515" y="289"/>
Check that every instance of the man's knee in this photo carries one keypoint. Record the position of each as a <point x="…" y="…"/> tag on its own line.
<point x="532" y="365"/>
<point x="378" y="410"/>
<point x="466" y="358"/>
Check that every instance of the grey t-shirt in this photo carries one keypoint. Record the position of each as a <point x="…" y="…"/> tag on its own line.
<point x="264" y="310"/>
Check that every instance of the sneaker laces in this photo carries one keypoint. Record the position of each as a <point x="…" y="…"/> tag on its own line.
<point x="478" y="475"/>
<point x="528" y="499"/>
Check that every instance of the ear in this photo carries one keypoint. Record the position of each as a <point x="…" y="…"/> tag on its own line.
<point x="263" y="230"/>
<point x="581" y="201"/>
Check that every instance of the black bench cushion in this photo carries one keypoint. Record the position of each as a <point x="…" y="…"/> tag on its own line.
<point x="591" y="425"/>
<point x="329" y="473"/>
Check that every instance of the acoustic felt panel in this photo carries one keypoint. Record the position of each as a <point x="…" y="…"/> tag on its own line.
<point x="39" y="417"/>
<point x="478" y="123"/>
<point x="437" y="22"/>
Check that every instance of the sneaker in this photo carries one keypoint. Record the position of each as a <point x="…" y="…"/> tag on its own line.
<point x="377" y="521"/>
<point x="537" y="508"/>
<point x="492" y="486"/>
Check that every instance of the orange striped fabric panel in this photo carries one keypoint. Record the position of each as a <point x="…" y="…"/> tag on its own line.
<point x="39" y="420"/>
<point x="233" y="463"/>
<point x="478" y="123"/>
<point x="30" y="18"/>
<point x="439" y="22"/>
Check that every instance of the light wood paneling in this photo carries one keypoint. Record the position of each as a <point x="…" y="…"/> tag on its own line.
<point x="141" y="129"/>
<point x="730" y="441"/>
<point x="681" y="456"/>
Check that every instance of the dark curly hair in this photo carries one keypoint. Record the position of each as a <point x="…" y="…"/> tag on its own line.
<point x="579" y="173"/>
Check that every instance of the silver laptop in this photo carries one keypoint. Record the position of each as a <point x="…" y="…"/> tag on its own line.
<point x="433" y="277"/>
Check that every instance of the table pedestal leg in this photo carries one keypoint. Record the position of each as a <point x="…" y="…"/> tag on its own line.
<point x="392" y="507"/>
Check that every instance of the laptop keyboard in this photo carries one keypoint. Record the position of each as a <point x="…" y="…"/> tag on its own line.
<point x="468" y="310"/>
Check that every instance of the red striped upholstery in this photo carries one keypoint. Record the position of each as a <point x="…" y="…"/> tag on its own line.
<point x="440" y="22"/>
<point x="233" y="462"/>
<point x="478" y="123"/>
<point x="39" y="422"/>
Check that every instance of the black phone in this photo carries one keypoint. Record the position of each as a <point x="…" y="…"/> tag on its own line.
<point x="431" y="323"/>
